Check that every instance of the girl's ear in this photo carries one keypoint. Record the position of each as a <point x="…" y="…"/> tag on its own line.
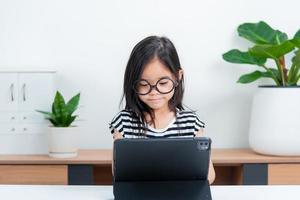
<point x="180" y="74"/>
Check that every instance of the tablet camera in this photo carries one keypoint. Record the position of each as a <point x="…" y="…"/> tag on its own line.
<point x="202" y="145"/>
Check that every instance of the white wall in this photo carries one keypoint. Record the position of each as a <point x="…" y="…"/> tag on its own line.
<point x="89" y="41"/>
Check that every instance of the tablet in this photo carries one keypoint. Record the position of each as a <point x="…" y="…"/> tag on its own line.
<point x="163" y="165"/>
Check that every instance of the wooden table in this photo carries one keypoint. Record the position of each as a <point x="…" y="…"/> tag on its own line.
<point x="233" y="166"/>
<point x="41" y="169"/>
<point x="243" y="166"/>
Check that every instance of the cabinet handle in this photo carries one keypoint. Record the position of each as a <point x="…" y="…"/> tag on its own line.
<point x="24" y="92"/>
<point x="12" y="92"/>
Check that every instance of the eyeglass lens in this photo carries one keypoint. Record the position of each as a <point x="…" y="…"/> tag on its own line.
<point x="164" y="86"/>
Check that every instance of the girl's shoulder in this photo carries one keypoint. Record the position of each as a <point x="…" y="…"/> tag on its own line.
<point x="124" y="119"/>
<point x="123" y="114"/>
<point x="190" y="115"/>
<point x="186" y="113"/>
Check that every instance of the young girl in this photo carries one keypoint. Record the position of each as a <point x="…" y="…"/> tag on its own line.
<point x="153" y="90"/>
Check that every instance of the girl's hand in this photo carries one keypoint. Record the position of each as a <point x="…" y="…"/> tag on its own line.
<point x="211" y="171"/>
<point x="200" y="133"/>
<point x="117" y="135"/>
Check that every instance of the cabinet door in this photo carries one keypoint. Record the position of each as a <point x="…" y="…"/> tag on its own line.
<point x="32" y="117"/>
<point x="8" y="91"/>
<point x="36" y="91"/>
<point x="11" y="117"/>
<point x="33" y="129"/>
<point x="8" y="129"/>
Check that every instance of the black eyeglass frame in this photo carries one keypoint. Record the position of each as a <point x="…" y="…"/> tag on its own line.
<point x="175" y="84"/>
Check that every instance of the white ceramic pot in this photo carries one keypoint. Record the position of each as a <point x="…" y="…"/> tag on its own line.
<point x="62" y="142"/>
<point x="275" y="119"/>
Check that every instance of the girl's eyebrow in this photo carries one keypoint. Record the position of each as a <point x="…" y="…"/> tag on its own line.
<point x="164" y="77"/>
<point x="156" y="79"/>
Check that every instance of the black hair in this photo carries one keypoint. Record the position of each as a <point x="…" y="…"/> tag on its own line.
<point x="143" y="52"/>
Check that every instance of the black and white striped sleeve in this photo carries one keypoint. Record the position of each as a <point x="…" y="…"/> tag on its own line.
<point x="117" y="124"/>
<point x="198" y="124"/>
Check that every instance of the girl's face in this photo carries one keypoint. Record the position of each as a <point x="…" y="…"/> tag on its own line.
<point x="153" y="72"/>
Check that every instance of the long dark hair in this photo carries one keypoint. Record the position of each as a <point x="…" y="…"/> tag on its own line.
<point x="143" y="52"/>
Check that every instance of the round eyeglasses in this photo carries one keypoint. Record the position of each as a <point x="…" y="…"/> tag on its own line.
<point x="164" y="85"/>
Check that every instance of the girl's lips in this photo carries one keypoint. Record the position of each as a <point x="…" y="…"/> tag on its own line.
<point x="154" y="99"/>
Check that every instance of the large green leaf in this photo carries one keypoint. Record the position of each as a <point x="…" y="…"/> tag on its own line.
<point x="248" y="78"/>
<point x="296" y="39"/>
<point x="296" y="42"/>
<point x="236" y="56"/>
<point x="70" y="120"/>
<point x="54" y="122"/>
<point x="296" y="58"/>
<point x="272" y="51"/>
<point x="297" y="35"/>
<point x="296" y="63"/>
<point x="58" y="103"/>
<point x="73" y="103"/>
<point x="275" y="73"/>
<point x="253" y="76"/>
<point x="261" y="33"/>
<point x="49" y="116"/>
<point x="46" y="114"/>
<point x="59" y="108"/>
<point x="279" y="38"/>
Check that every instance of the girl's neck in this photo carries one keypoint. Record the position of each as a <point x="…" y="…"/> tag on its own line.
<point x="160" y="113"/>
<point x="162" y="117"/>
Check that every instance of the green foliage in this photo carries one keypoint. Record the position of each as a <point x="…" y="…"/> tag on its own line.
<point x="268" y="44"/>
<point x="61" y="115"/>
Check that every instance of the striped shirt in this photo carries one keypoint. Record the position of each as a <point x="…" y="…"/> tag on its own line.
<point x="185" y="124"/>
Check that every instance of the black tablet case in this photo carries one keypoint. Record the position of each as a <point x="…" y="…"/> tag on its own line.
<point x="164" y="168"/>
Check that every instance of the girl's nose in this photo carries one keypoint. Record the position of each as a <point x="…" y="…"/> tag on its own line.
<point x="153" y="91"/>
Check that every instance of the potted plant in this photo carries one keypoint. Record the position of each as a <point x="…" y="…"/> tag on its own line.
<point x="62" y="140"/>
<point x="275" y="112"/>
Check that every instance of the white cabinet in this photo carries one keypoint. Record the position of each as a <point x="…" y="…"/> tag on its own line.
<point x="8" y="91"/>
<point x="22" y="129"/>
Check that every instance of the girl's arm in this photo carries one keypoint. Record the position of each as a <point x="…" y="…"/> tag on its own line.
<point x="116" y="135"/>
<point x="211" y="170"/>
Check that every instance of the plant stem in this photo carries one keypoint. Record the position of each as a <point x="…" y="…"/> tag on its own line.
<point x="284" y="69"/>
<point x="291" y="74"/>
<point x="274" y="77"/>
<point x="297" y="79"/>
<point x="281" y="71"/>
<point x="297" y="75"/>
